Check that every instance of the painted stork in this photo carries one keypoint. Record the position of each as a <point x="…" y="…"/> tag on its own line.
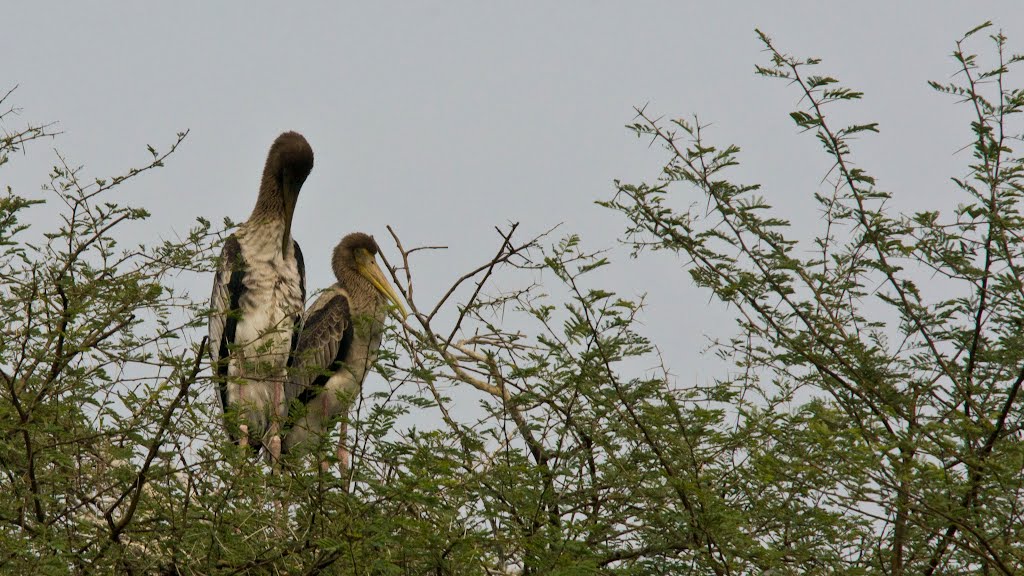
<point x="338" y="344"/>
<point x="258" y="295"/>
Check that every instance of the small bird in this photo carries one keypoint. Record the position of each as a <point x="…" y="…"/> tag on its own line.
<point x="259" y="291"/>
<point x="338" y="344"/>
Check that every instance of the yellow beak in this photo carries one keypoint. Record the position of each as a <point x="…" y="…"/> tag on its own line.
<point x="373" y="273"/>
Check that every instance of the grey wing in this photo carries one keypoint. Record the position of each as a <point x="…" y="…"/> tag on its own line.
<point x="228" y="287"/>
<point x="323" y="345"/>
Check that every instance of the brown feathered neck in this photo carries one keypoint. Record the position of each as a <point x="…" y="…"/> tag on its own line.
<point x="344" y="259"/>
<point x="288" y="164"/>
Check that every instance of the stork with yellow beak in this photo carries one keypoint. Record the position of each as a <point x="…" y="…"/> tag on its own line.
<point x="338" y="345"/>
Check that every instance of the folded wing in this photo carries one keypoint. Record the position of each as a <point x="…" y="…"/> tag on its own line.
<point x="228" y="288"/>
<point x="322" y="347"/>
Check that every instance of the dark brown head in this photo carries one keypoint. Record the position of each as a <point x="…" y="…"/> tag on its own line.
<point x="347" y="252"/>
<point x="288" y="163"/>
<point x="355" y="265"/>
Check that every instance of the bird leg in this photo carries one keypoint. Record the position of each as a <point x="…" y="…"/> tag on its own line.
<point x="274" y="450"/>
<point x="274" y="434"/>
<point x="344" y="456"/>
<point x="243" y="437"/>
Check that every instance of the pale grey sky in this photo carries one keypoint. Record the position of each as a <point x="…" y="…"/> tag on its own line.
<point x="446" y="119"/>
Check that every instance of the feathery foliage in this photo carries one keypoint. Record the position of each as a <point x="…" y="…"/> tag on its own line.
<point x="872" y="423"/>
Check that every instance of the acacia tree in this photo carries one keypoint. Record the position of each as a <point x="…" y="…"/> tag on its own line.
<point x="865" y="430"/>
<point x="909" y="451"/>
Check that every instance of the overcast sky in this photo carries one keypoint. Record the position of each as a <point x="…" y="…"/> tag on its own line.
<point x="446" y="119"/>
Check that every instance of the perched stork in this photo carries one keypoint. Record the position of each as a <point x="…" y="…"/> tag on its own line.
<point x="258" y="295"/>
<point x="338" y="344"/>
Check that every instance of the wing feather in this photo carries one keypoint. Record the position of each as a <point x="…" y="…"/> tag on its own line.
<point x="297" y="321"/>
<point x="323" y="344"/>
<point x="301" y="264"/>
<point x="228" y="287"/>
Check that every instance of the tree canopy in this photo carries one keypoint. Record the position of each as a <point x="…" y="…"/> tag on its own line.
<point x="871" y="421"/>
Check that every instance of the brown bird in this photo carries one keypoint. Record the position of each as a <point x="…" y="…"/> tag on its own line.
<point x="259" y="291"/>
<point x="338" y="344"/>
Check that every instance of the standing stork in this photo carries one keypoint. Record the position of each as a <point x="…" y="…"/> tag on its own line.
<point x="339" y="343"/>
<point x="258" y="294"/>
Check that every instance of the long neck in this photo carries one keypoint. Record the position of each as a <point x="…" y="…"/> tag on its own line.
<point x="271" y="202"/>
<point x="365" y="298"/>
<point x="271" y="206"/>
